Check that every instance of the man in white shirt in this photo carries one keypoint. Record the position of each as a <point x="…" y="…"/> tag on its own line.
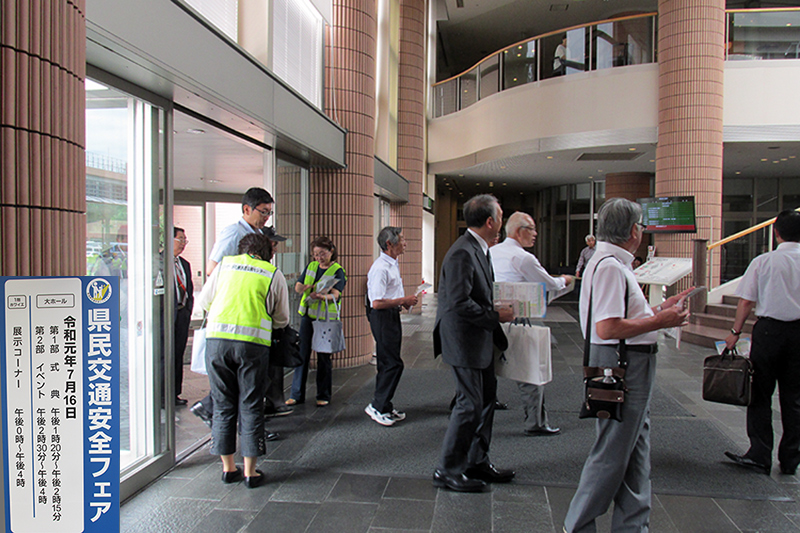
<point x="386" y="297"/>
<point x="771" y="285"/>
<point x="618" y="467"/>
<point x="512" y="263"/>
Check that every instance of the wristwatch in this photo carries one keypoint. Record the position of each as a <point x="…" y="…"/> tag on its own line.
<point x="736" y="332"/>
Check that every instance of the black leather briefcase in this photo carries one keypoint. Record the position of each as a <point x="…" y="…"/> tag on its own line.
<point x="727" y="378"/>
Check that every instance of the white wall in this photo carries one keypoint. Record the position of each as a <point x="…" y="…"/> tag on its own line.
<point x="428" y="250"/>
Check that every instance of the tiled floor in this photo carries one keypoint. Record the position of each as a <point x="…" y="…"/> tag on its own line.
<point x="191" y="498"/>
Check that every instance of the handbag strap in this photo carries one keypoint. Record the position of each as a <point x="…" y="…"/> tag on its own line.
<point x="623" y="351"/>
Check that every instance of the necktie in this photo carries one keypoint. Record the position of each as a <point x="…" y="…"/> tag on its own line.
<point x="491" y="269"/>
<point x="180" y="282"/>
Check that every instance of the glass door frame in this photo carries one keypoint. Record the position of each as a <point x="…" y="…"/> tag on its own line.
<point x="142" y="472"/>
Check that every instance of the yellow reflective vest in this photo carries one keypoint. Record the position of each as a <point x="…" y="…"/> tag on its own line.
<point x="312" y="307"/>
<point x="239" y="311"/>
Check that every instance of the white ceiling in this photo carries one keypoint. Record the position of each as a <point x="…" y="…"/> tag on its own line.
<point x="215" y="160"/>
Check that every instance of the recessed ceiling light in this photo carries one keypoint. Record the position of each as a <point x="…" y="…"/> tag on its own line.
<point x="491" y="184"/>
<point x="792" y="156"/>
<point x="214" y="181"/>
<point x="549" y="157"/>
<point x="784" y="159"/>
<point x="195" y="131"/>
<point x="652" y="160"/>
<point x="764" y="159"/>
<point x="504" y="184"/>
<point x="631" y="149"/>
<point x="461" y="175"/>
<point x="738" y="172"/>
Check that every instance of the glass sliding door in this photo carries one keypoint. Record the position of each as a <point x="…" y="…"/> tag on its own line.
<point x="125" y="184"/>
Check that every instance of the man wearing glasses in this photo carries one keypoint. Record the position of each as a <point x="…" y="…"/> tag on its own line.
<point x="257" y="205"/>
<point x="513" y="263"/>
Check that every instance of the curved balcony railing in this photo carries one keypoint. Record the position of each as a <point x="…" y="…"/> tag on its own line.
<point x="751" y="34"/>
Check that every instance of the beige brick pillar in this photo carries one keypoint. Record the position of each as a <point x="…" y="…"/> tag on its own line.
<point x="691" y="41"/>
<point x="42" y="167"/>
<point x="341" y="200"/>
<point x="410" y="138"/>
<point x="630" y="185"/>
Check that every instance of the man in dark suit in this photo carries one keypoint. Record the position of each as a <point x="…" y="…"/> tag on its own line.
<point x="467" y="327"/>
<point x="184" y="300"/>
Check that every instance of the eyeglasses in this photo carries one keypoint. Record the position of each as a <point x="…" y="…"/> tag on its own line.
<point x="643" y="226"/>
<point x="530" y="228"/>
<point x="181" y="240"/>
<point x="323" y="253"/>
<point x="264" y="213"/>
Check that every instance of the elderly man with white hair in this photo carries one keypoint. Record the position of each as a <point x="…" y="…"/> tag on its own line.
<point x="512" y="263"/>
<point x="586" y="254"/>
<point x="618" y="467"/>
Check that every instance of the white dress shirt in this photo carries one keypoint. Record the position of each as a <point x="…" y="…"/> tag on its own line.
<point x="773" y="281"/>
<point x="608" y="300"/>
<point x="512" y="263"/>
<point x="383" y="280"/>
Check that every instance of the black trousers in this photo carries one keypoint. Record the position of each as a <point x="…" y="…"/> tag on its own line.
<point x="469" y="432"/>
<point x="183" y="318"/>
<point x="775" y="353"/>
<point x="388" y="333"/>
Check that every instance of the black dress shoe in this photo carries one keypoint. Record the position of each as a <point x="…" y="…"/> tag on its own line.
<point x="489" y="473"/>
<point x="546" y="431"/>
<point x="787" y="471"/>
<point x="252" y="482"/>
<point x="232" y="477"/>
<point x="201" y="412"/>
<point x="500" y="406"/>
<point x="741" y="460"/>
<point x="459" y="483"/>
<point x="180" y="401"/>
<point x="270" y="436"/>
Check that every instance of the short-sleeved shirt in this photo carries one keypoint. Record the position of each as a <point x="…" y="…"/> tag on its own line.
<point x="383" y="280"/>
<point x="339" y="275"/>
<point x="608" y="300"/>
<point x="228" y="242"/>
<point x="773" y="281"/>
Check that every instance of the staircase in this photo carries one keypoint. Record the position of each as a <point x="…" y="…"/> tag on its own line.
<point x="715" y="323"/>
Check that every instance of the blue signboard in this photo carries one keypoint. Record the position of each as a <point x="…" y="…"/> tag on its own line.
<point x="60" y="403"/>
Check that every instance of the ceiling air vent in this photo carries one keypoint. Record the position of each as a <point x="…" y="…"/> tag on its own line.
<point x="459" y="3"/>
<point x="609" y="156"/>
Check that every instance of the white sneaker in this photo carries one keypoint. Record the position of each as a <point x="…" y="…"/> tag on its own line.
<point x="374" y="360"/>
<point x="380" y="418"/>
<point x="397" y="416"/>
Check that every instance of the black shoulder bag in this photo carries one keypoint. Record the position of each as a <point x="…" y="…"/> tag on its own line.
<point x="604" y="386"/>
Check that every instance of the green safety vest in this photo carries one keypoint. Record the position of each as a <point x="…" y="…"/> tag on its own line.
<point x="238" y="311"/>
<point x="312" y="306"/>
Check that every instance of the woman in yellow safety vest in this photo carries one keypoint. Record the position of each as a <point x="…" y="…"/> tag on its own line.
<point x="246" y="297"/>
<point x="315" y="305"/>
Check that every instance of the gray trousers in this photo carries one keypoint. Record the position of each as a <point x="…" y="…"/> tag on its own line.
<point x="618" y="467"/>
<point x="274" y="393"/>
<point x="533" y="404"/>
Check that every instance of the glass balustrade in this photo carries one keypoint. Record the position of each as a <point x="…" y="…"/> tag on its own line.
<point x="752" y="34"/>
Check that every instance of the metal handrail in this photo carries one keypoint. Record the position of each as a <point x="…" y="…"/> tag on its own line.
<point x="743" y="233"/>
<point x="548" y="34"/>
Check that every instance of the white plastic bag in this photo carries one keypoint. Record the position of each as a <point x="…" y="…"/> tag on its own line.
<point x="199" y="351"/>
<point x="528" y="357"/>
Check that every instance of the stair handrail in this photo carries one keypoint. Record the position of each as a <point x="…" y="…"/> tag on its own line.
<point x="743" y="233"/>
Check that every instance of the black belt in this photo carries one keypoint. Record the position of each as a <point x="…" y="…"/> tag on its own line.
<point x="770" y="319"/>
<point x="642" y="348"/>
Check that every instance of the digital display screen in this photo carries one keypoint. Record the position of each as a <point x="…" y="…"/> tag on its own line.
<point x="671" y="214"/>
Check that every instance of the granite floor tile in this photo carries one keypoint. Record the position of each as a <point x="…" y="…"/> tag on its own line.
<point x="337" y="517"/>
<point x="306" y="486"/>
<point x="175" y="515"/>
<point x="409" y="514"/>
<point x="410" y="489"/>
<point x="462" y="512"/>
<point x="513" y="517"/>
<point x="762" y="516"/>
<point x="697" y="515"/>
<point x="359" y="488"/>
<point x="224" y="520"/>
<point x="282" y="516"/>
